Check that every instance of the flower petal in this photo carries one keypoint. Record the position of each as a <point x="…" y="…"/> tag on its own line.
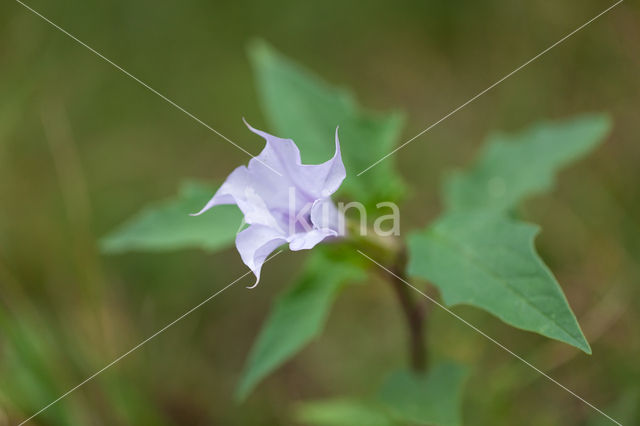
<point x="256" y="211"/>
<point x="331" y="173"/>
<point x="312" y="180"/>
<point x="307" y="240"/>
<point x="325" y="215"/>
<point x="237" y="189"/>
<point x="256" y="243"/>
<point x="230" y="191"/>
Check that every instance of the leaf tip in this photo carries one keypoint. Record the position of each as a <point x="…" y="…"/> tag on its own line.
<point x="108" y="245"/>
<point x="242" y="392"/>
<point x="598" y="125"/>
<point x="259" y="50"/>
<point x="583" y="344"/>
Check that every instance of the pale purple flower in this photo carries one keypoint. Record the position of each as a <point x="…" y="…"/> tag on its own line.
<point x="283" y="200"/>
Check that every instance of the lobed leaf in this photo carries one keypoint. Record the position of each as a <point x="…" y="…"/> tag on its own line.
<point x="297" y="317"/>
<point x="489" y="261"/>
<point x="168" y="226"/>
<point x="514" y="167"/>
<point x="434" y="398"/>
<point x="302" y="107"/>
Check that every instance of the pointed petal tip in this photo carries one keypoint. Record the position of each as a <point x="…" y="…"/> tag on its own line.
<point x="251" y="128"/>
<point x="258" y="132"/>
<point x="212" y="203"/>
<point x="251" y="287"/>
<point x="337" y="143"/>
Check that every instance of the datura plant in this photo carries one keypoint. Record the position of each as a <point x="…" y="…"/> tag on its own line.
<point x="478" y="252"/>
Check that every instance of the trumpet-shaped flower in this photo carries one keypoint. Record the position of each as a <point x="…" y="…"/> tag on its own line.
<point x="283" y="200"/>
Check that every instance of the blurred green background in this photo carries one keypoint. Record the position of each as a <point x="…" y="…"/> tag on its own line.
<point x="83" y="147"/>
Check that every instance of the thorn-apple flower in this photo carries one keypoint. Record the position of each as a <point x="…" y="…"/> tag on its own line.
<point x="292" y="206"/>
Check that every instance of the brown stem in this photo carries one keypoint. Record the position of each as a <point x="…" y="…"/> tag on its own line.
<point x="391" y="252"/>
<point x="414" y="315"/>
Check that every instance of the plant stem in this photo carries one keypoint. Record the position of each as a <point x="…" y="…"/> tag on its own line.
<point x="414" y="315"/>
<point x="391" y="252"/>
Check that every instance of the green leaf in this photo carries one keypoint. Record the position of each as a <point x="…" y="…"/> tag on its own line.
<point x="489" y="261"/>
<point x="433" y="398"/>
<point x="343" y="412"/>
<point x="302" y="107"/>
<point x="514" y="167"/>
<point x="168" y="226"/>
<point x="297" y="316"/>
